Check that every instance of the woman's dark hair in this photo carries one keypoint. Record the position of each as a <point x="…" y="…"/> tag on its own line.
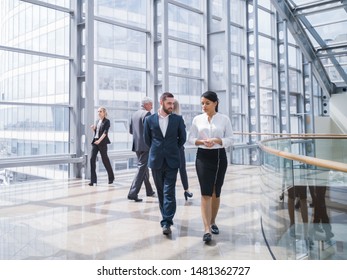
<point x="212" y="96"/>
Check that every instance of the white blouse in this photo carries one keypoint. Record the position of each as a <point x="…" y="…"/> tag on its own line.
<point x="97" y="129"/>
<point x="218" y="127"/>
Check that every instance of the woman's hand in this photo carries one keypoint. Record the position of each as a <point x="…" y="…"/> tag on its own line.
<point x="208" y="142"/>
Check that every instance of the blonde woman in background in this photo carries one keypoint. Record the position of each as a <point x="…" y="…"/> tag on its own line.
<point x="99" y="144"/>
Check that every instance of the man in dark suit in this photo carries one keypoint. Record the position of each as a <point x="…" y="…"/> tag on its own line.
<point x="141" y="149"/>
<point x="165" y="133"/>
<point x="99" y="144"/>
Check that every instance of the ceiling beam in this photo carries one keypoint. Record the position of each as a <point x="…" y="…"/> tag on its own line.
<point x="301" y="38"/>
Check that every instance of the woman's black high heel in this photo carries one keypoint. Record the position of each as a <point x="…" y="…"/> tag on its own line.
<point x="187" y="194"/>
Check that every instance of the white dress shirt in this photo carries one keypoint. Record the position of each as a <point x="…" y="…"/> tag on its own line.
<point x="163" y="123"/>
<point x="218" y="127"/>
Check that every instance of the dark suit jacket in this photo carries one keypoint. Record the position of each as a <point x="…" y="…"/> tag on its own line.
<point x="164" y="148"/>
<point x="136" y="129"/>
<point x="105" y="126"/>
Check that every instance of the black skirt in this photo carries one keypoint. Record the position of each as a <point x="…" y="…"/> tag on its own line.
<point x="211" y="165"/>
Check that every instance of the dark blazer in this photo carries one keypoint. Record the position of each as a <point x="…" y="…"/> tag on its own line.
<point x="136" y="129"/>
<point x="164" y="148"/>
<point x="105" y="126"/>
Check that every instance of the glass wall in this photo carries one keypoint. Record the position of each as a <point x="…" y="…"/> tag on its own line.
<point x="34" y="84"/>
<point x="141" y="48"/>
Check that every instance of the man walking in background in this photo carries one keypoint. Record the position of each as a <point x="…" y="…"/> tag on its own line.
<point x="141" y="150"/>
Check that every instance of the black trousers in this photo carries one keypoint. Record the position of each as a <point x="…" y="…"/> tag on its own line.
<point x="105" y="160"/>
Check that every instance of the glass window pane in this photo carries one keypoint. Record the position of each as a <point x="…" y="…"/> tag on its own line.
<point x="217" y="70"/>
<point x="266" y="75"/>
<point x="266" y="102"/>
<point x="184" y="59"/>
<point x="25" y="126"/>
<point x="185" y="24"/>
<point x="265" y="19"/>
<point x="131" y="12"/>
<point x="266" y="49"/>
<point x="30" y="26"/>
<point x="119" y="45"/>
<point x="120" y="91"/>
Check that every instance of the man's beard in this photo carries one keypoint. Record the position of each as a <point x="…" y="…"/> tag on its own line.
<point x="167" y="111"/>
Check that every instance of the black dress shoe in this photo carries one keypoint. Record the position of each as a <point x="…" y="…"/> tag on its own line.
<point x="214" y="229"/>
<point x="166" y="230"/>
<point x="187" y="194"/>
<point x="91" y="184"/>
<point x="151" y="195"/>
<point x="110" y="182"/>
<point x="136" y="199"/>
<point x="207" y="237"/>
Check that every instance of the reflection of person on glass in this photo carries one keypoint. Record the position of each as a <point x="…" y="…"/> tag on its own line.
<point x="301" y="192"/>
<point x="320" y="213"/>
<point x="295" y="191"/>
<point x="99" y="144"/>
<point x="212" y="133"/>
<point x="182" y="169"/>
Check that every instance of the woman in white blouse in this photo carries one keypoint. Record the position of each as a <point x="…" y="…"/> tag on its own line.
<point x="212" y="133"/>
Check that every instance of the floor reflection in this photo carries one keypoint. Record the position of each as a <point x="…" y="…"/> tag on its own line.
<point x="71" y="220"/>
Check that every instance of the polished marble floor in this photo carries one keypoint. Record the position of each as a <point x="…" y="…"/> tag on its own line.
<point x="69" y="220"/>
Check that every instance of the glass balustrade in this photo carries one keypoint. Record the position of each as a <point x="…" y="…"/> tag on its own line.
<point x="304" y="203"/>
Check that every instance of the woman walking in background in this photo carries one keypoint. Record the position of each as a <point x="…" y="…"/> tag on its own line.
<point x="99" y="144"/>
<point x="182" y="169"/>
<point x="212" y="133"/>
